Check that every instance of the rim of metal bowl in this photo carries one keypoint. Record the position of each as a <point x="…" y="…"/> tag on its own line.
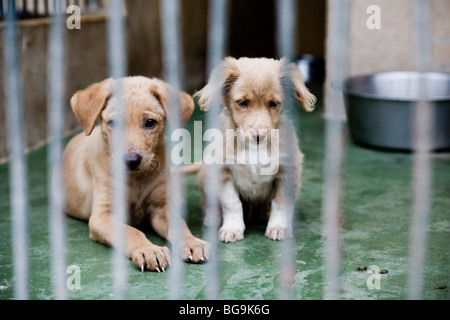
<point x="347" y="88"/>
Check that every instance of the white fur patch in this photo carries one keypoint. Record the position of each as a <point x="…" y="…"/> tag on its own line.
<point x="233" y="225"/>
<point x="279" y="226"/>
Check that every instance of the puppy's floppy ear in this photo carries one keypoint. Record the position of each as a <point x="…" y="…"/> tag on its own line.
<point x="162" y="92"/>
<point x="301" y="93"/>
<point x="89" y="103"/>
<point x="186" y="106"/>
<point x="219" y="83"/>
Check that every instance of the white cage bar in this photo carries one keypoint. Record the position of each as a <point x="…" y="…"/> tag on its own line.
<point x="422" y="122"/>
<point x="337" y="43"/>
<point x="286" y="22"/>
<point x="218" y="14"/>
<point x="18" y="167"/>
<point x="56" y="89"/>
<point x="117" y="70"/>
<point x="172" y="65"/>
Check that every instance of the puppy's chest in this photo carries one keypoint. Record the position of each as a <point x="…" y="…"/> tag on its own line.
<point x="250" y="183"/>
<point x="138" y="203"/>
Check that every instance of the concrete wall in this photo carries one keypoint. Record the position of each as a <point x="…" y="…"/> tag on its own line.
<point x="85" y="63"/>
<point x="144" y="40"/>
<point x="251" y="33"/>
<point x="391" y="47"/>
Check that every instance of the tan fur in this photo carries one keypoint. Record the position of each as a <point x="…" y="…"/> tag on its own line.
<point x="251" y="91"/>
<point x="87" y="168"/>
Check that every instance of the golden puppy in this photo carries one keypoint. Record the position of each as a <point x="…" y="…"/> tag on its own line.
<point x="87" y="167"/>
<point x="252" y="93"/>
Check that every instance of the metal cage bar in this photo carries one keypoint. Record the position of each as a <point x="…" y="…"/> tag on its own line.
<point x="117" y="70"/>
<point x="337" y="42"/>
<point x="218" y="12"/>
<point x="55" y="116"/>
<point x="422" y="180"/>
<point x="286" y="22"/>
<point x="17" y="164"/>
<point x="172" y="64"/>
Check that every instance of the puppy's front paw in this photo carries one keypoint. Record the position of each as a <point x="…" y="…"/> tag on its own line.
<point x="231" y="234"/>
<point x="278" y="232"/>
<point x="151" y="257"/>
<point x="196" y="250"/>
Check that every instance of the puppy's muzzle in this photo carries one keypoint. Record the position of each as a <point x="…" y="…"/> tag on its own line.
<point x="132" y="161"/>
<point x="258" y="135"/>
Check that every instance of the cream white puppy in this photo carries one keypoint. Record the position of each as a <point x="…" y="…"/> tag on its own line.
<point x="252" y="93"/>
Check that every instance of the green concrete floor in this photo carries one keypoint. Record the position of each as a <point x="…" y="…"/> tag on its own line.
<point x="376" y="211"/>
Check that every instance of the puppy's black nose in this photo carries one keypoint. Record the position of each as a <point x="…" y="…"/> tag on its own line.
<point x="132" y="161"/>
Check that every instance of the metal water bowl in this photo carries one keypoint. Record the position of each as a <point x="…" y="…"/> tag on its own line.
<point x="380" y="108"/>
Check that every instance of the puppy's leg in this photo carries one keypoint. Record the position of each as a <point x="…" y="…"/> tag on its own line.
<point x="279" y="225"/>
<point x="233" y="225"/>
<point x="193" y="249"/>
<point x="143" y="253"/>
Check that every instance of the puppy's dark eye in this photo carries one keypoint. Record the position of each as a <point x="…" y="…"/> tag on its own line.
<point x="273" y="104"/>
<point x="112" y="123"/>
<point x="243" y="103"/>
<point x="150" y="123"/>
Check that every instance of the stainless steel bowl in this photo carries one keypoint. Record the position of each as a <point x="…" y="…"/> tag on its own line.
<point x="380" y="108"/>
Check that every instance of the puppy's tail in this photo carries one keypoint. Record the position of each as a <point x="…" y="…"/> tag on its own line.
<point x="191" y="168"/>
